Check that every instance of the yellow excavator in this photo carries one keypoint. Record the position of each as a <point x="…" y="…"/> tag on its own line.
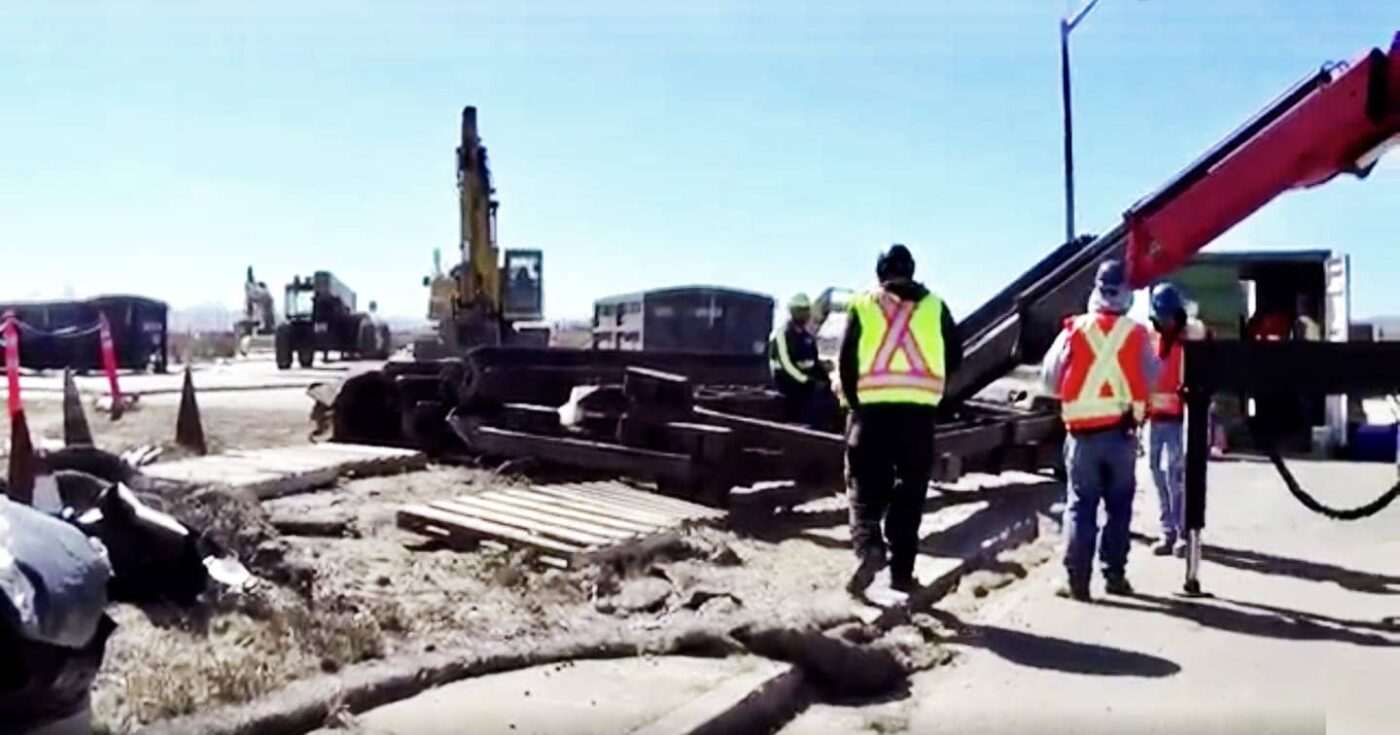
<point x="483" y="301"/>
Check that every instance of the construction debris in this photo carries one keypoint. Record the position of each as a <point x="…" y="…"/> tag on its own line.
<point x="189" y="430"/>
<point x="568" y="525"/>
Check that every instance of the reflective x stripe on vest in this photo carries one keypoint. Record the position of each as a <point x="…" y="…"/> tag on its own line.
<point x="1097" y="391"/>
<point x="1166" y="394"/>
<point x="780" y="359"/>
<point x="901" y="355"/>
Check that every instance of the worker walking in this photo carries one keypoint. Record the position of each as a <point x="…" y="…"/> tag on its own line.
<point x="1164" y="413"/>
<point x="797" y="373"/>
<point x="1100" y="367"/>
<point x="900" y="347"/>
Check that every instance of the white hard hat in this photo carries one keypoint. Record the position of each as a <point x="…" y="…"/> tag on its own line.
<point x="799" y="301"/>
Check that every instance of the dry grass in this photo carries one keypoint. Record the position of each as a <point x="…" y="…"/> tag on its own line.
<point x="238" y="658"/>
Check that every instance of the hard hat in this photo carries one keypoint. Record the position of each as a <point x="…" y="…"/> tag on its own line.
<point x="1110" y="275"/>
<point x="897" y="262"/>
<point x="1166" y="302"/>
<point x="799" y="301"/>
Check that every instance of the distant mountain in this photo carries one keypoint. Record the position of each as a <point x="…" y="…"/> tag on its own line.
<point x="204" y="318"/>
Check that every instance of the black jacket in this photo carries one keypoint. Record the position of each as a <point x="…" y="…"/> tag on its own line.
<point x="849" y="367"/>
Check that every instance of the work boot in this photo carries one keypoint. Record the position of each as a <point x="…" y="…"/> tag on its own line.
<point x="1164" y="547"/>
<point x="1118" y="586"/>
<point x="869" y="565"/>
<point x="903" y="583"/>
<point x="1072" y="591"/>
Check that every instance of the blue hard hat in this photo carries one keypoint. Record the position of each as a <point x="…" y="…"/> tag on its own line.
<point x="1110" y="275"/>
<point x="1166" y="301"/>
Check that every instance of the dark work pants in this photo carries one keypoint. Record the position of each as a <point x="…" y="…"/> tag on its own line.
<point x="889" y="458"/>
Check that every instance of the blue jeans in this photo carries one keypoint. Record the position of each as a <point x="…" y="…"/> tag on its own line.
<point x="1100" y="469"/>
<point x="1168" y="463"/>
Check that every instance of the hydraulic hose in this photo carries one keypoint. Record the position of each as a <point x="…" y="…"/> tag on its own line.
<point x="1312" y="503"/>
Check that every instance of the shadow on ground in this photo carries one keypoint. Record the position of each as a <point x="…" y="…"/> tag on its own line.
<point x="782" y="524"/>
<point x="1253" y="561"/>
<point x="1056" y="654"/>
<point x="1262" y="620"/>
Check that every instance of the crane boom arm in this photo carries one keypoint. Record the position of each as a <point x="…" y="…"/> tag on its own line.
<point x="1336" y="121"/>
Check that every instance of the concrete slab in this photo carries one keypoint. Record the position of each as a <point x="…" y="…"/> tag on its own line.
<point x="676" y="694"/>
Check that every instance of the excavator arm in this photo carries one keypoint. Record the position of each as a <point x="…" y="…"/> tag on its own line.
<point x="1336" y="121"/>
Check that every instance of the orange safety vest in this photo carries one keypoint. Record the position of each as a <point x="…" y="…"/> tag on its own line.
<point x="1166" y="394"/>
<point x="1103" y="379"/>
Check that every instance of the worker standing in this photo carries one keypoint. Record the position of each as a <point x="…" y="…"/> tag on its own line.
<point x="1165" y="412"/>
<point x="1100" y="367"/>
<point x="900" y="347"/>
<point x="792" y="355"/>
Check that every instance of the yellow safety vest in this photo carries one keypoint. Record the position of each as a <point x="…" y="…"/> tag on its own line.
<point x="900" y="354"/>
<point x="780" y="359"/>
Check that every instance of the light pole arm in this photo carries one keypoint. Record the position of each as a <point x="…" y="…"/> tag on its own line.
<point x="1073" y="20"/>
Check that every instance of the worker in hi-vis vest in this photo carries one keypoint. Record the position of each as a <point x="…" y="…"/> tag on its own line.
<point x="1100" y="367"/>
<point x="1165" y="411"/>
<point x="797" y="373"/>
<point x="900" y="347"/>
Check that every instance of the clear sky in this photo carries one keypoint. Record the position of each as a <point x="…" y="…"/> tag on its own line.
<point x="161" y="148"/>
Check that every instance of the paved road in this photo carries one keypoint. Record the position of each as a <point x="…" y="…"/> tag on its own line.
<point x="1302" y="635"/>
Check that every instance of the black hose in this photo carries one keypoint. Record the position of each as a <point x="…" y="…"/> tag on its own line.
<point x="1312" y="504"/>
<point x="1344" y="514"/>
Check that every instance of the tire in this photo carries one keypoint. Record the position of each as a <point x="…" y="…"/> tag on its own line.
<point x="386" y="342"/>
<point x="282" y="343"/>
<point x="306" y="356"/>
<point x="366" y="342"/>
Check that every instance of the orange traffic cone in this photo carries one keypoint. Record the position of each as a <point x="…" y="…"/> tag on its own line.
<point x="75" y="423"/>
<point x="189" y="431"/>
<point x="21" y="477"/>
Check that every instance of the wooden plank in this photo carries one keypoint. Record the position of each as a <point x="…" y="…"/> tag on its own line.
<point x="631" y="494"/>
<point x="548" y="515"/>
<point x="640" y="499"/>
<point x="604" y="505"/>
<point x="368" y="450"/>
<point x="487" y="529"/>
<point x="541" y="528"/>
<point x="594" y="506"/>
<point x="568" y="512"/>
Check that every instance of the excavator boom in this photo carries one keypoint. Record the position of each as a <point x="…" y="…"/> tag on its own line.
<point x="1336" y="121"/>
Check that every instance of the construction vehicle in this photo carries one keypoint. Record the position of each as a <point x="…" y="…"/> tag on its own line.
<point x="321" y="317"/>
<point x="259" y="314"/>
<point x="482" y="301"/>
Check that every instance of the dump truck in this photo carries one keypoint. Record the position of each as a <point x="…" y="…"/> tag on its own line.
<point x="321" y="317"/>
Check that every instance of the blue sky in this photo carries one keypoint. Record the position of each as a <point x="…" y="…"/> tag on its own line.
<point x="775" y="146"/>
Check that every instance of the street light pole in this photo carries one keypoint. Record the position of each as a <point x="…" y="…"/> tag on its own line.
<point x="1067" y="25"/>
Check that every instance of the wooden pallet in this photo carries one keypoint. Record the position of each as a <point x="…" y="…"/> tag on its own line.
<point x="569" y="524"/>
<point x="269" y="473"/>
